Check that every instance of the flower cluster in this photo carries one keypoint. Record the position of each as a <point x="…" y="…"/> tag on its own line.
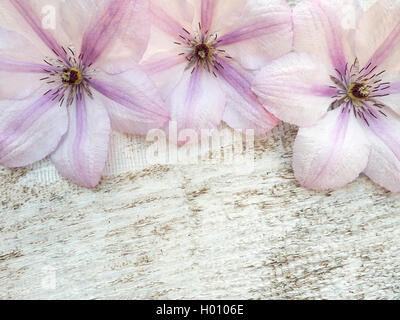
<point x="134" y="65"/>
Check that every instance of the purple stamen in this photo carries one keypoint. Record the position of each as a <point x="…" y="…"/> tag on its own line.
<point x="358" y="89"/>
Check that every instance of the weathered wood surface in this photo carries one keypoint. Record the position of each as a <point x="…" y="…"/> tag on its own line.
<point x="199" y="232"/>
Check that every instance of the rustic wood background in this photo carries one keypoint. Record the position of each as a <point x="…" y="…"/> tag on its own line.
<point x="196" y="231"/>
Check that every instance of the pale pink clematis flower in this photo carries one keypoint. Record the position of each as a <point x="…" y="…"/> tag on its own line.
<point x="61" y="101"/>
<point x="202" y="54"/>
<point x="343" y="90"/>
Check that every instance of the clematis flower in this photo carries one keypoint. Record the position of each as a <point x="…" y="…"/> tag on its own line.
<point x="342" y="88"/>
<point x="62" y="90"/>
<point x="202" y="54"/>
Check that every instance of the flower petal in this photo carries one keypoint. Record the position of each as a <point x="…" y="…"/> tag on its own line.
<point x="318" y="29"/>
<point x="378" y="35"/>
<point x="207" y="12"/>
<point x="197" y="102"/>
<point x="16" y="46"/>
<point x="263" y="33"/>
<point x="332" y="153"/>
<point x="130" y="97"/>
<point x="131" y="33"/>
<point x="64" y="19"/>
<point x="30" y="11"/>
<point x="243" y="110"/>
<point x="172" y="15"/>
<point x="104" y="29"/>
<point x="74" y="17"/>
<point x="216" y="15"/>
<point x="30" y="129"/>
<point x="135" y="31"/>
<point x="19" y="70"/>
<point x="384" y="161"/>
<point x="295" y="88"/>
<point x="18" y="85"/>
<point x="392" y="98"/>
<point x="82" y="154"/>
<point x="165" y="70"/>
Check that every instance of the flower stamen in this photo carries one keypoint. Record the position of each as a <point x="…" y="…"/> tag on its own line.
<point x="201" y="50"/>
<point x="358" y="89"/>
<point x="71" y="77"/>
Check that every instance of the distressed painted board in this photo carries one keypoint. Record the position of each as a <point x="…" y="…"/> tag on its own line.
<point x="196" y="231"/>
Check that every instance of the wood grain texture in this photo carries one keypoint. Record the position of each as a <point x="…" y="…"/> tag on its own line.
<point x="196" y="231"/>
<point x="200" y="232"/>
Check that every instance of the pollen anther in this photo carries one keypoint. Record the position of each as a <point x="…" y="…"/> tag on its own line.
<point x="359" y="91"/>
<point x="201" y="50"/>
<point x="72" y="76"/>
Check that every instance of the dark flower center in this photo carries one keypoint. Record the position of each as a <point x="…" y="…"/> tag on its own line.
<point x="202" y="51"/>
<point x="72" y="76"/>
<point x="359" y="91"/>
<point x="68" y="76"/>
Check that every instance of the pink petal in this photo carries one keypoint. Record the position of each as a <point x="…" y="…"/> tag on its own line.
<point x="132" y="32"/>
<point x="243" y="110"/>
<point x="135" y="31"/>
<point x="30" y="12"/>
<point x="19" y="70"/>
<point x="332" y="153"/>
<point x="384" y="161"/>
<point x="295" y="88"/>
<point x="172" y="15"/>
<point x="217" y="15"/>
<point x="318" y="30"/>
<point x="17" y="47"/>
<point x="13" y="66"/>
<point x="162" y="64"/>
<point x="263" y="33"/>
<point x="392" y="100"/>
<point x="207" y="12"/>
<point x="74" y="17"/>
<point x="30" y="129"/>
<point x="130" y="97"/>
<point x="17" y="86"/>
<point x="197" y="102"/>
<point x="82" y="154"/>
<point x="378" y="35"/>
<point x="104" y="29"/>
<point x="165" y="70"/>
